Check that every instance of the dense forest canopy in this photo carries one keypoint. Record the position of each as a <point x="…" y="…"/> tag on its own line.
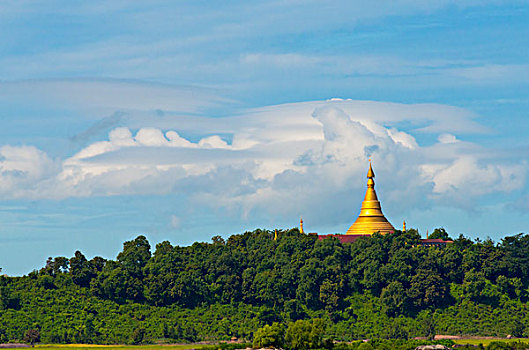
<point x="384" y="286"/>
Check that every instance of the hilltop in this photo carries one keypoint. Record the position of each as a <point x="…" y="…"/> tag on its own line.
<point x="383" y="286"/>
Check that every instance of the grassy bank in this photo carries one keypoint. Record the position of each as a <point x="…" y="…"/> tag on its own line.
<point x="487" y="341"/>
<point x="109" y="347"/>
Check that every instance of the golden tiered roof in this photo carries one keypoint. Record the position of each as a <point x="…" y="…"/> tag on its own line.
<point x="371" y="219"/>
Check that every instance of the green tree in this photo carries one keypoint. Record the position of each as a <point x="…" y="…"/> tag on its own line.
<point x="479" y="289"/>
<point x="46" y="282"/>
<point x="61" y="264"/>
<point x="308" y="291"/>
<point x="517" y="328"/>
<point x="81" y="270"/>
<point x="293" y="310"/>
<point x="365" y="346"/>
<point x="428" y="325"/>
<point x="330" y="295"/>
<point x="269" y="336"/>
<point x="439" y="233"/>
<point x="32" y="336"/>
<point x="394" y="298"/>
<point x="97" y="263"/>
<point x="497" y="345"/>
<point x="219" y="290"/>
<point x="137" y="336"/>
<point x="8" y="299"/>
<point x="304" y="334"/>
<point x="427" y="289"/>
<point x="135" y="255"/>
<point x="396" y="330"/>
<point x="117" y="284"/>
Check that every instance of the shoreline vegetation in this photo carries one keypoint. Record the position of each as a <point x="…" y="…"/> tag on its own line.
<point x="475" y="343"/>
<point x="296" y="292"/>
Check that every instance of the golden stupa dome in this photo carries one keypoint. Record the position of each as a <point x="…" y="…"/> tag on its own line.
<point x="371" y="219"/>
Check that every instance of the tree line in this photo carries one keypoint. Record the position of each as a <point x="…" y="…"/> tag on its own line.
<point x="384" y="286"/>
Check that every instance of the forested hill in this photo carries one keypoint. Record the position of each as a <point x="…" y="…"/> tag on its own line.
<point x="383" y="286"/>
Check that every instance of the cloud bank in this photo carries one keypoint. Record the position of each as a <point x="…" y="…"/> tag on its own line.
<point x="284" y="159"/>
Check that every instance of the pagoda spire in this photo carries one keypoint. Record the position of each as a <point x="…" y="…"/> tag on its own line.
<point x="301" y="225"/>
<point x="371" y="218"/>
<point x="370" y="172"/>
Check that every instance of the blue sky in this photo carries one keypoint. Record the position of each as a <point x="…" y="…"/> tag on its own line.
<point x="184" y="120"/>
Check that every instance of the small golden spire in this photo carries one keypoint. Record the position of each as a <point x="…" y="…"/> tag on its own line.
<point x="301" y="226"/>
<point x="275" y="235"/>
<point x="404" y="226"/>
<point x="426" y="234"/>
<point x="370" y="172"/>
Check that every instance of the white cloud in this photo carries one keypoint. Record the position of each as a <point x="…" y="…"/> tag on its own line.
<point x="23" y="170"/>
<point x="106" y="96"/>
<point x="213" y="142"/>
<point x="284" y="159"/>
<point x="26" y="160"/>
<point x="493" y="73"/>
<point x="151" y="137"/>
<point x="466" y="178"/>
<point x="207" y="42"/>
<point x="447" y="138"/>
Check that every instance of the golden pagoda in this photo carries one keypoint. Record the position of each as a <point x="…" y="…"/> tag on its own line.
<point x="371" y="219"/>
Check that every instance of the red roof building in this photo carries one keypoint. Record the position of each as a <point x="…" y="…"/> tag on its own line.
<point x="352" y="238"/>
